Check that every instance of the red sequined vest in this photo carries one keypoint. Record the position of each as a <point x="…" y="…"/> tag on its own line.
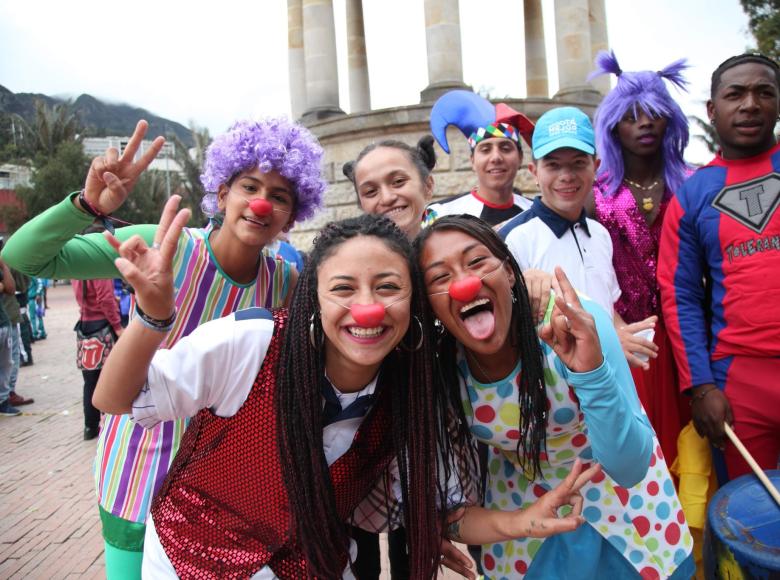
<point x="223" y="510"/>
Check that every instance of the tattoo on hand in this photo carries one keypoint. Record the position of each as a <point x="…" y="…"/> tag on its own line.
<point x="453" y="531"/>
<point x="533" y="526"/>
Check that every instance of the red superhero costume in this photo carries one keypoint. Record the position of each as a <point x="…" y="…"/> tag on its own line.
<point x="724" y="227"/>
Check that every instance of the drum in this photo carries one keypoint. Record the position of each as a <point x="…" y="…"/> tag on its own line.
<point x="742" y="538"/>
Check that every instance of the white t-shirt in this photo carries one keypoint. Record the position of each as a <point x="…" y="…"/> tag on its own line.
<point x="540" y="239"/>
<point x="471" y="203"/>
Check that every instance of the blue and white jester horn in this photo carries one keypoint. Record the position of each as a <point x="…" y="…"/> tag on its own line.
<point x="466" y="110"/>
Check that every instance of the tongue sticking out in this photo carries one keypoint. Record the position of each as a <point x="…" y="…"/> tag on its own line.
<point x="480" y="325"/>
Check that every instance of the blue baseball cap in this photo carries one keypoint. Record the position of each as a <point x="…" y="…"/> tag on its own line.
<point x="563" y="127"/>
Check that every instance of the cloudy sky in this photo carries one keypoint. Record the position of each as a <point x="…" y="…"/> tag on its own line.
<point x="213" y="62"/>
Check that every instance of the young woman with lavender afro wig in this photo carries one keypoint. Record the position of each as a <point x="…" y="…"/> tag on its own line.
<point x="641" y="134"/>
<point x="261" y="176"/>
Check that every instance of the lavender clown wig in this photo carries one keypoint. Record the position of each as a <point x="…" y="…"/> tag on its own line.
<point x="269" y="144"/>
<point x="647" y="91"/>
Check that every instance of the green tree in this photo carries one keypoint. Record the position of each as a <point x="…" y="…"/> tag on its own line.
<point x="191" y="160"/>
<point x="764" y="21"/>
<point x="145" y="202"/>
<point x="708" y="136"/>
<point x="13" y="217"/>
<point x="14" y="146"/>
<point x="54" y="177"/>
<point x="51" y="127"/>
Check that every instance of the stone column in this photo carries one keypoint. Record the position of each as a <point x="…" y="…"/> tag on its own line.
<point x="598" y="40"/>
<point x="295" y="60"/>
<point x="359" y="91"/>
<point x="535" y="53"/>
<point x="442" y="39"/>
<point x="572" y="32"/>
<point x="319" y="49"/>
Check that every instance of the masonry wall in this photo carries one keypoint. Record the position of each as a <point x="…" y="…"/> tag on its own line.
<point x="344" y="137"/>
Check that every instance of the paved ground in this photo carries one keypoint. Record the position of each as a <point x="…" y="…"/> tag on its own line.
<point x="49" y="525"/>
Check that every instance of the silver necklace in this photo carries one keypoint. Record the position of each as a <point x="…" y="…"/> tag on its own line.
<point x="479" y="366"/>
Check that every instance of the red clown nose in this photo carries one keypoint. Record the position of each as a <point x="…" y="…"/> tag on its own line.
<point x="368" y="315"/>
<point x="465" y="290"/>
<point x="261" y="207"/>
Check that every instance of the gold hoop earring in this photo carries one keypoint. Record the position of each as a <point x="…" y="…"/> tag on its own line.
<point x="418" y="346"/>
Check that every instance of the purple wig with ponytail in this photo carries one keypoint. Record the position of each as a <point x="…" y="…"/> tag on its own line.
<point x="645" y="90"/>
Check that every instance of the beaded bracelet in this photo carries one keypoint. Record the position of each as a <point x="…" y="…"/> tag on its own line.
<point x="154" y="323"/>
<point x="105" y="219"/>
<point x="701" y="395"/>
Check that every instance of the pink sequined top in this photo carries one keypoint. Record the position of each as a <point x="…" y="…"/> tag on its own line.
<point x="634" y="249"/>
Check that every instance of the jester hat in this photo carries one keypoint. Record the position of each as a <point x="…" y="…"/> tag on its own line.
<point x="478" y="119"/>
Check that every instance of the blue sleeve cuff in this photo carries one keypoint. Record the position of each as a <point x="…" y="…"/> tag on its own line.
<point x="591" y="380"/>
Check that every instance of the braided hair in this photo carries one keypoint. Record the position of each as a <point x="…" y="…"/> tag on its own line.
<point x="422" y="156"/>
<point x="531" y="394"/>
<point x="418" y="433"/>
<point x="729" y="63"/>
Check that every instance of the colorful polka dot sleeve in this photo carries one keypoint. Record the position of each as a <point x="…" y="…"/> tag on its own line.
<point x="643" y="524"/>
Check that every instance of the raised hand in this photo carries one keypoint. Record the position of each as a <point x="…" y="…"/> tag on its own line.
<point x="638" y="350"/>
<point x="478" y="525"/>
<point x="111" y="177"/>
<point x="149" y="269"/>
<point x="538" y="283"/>
<point x="541" y="518"/>
<point x="571" y="331"/>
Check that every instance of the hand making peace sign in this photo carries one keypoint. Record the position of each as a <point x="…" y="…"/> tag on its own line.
<point x="111" y="177"/>
<point x="571" y="331"/>
<point x="149" y="269"/>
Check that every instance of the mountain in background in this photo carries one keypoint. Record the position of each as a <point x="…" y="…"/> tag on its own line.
<point x="99" y="119"/>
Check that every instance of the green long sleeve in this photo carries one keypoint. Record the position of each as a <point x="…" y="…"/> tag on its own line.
<point x="49" y="245"/>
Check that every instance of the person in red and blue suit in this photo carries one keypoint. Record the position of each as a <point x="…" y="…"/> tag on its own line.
<point x="719" y="269"/>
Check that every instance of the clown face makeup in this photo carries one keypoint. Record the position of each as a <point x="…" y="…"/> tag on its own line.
<point x="257" y="206"/>
<point x="368" y="315"/>
<point x="469" y="289"/>
<point x="363" y="289"/>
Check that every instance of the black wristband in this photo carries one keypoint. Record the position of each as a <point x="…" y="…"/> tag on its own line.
<point x="105" y="219"/>
<point x="154" y="323"/>
<point x="87" y="206"/>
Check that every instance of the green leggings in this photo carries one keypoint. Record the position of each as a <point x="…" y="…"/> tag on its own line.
<point x="124" y="546"/>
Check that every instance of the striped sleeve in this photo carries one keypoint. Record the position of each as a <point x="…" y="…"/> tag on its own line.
<point x="280" y="283"/>
<point x="680" y="277"/>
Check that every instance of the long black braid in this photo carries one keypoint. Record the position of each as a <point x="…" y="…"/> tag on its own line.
<point x="418" y="433"/>
<point x="531" y="395"/>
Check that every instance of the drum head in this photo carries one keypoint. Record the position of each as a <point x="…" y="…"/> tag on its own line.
<point x="745" y="520"/>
